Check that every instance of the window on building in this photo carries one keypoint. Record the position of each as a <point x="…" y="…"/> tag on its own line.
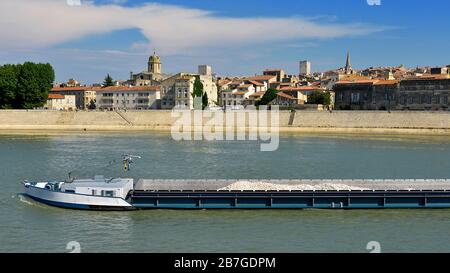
<point x="355" y="97"/>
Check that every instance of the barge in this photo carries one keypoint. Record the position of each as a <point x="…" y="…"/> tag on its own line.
<point x="102" y="193"/>
<point x="120" y="194"/>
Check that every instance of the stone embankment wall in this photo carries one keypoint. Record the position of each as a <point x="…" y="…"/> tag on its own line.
<point x="301" y="121"/>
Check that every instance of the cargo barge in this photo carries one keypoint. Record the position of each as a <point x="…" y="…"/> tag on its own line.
<point x="102" y="193"/>
<point x="111" y="196"/>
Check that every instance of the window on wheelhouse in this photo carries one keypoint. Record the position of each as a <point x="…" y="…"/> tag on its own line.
<point x="108" y="193"/>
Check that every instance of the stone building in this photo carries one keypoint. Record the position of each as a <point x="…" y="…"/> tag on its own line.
<point x="366" y="94"/>
<point x="84" y="96"/>
<point x="177" y="90"/>
<point x="425" y="93"/>
<point x="128" y="97"/>
<point x="152" y="76"/>
<point x="60" y="102"/>
<point x="305" y="68"/>
<point x="279" y="73"/>
<point x="283" y="99"/>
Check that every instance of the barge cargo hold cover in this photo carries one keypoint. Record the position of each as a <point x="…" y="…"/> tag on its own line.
<point x="213" y="194"/>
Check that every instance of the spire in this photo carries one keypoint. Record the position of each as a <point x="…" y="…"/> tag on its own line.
<point x="348" y="64"/>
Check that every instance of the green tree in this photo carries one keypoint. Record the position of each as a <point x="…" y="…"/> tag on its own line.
<point x="198" y="93"/>
<point x="108" y="81"/>
<point x="269" y="96"/>
<point x="25" y="86"/>
<point x="205" y="100"/>
<point x="8" y="85"/>
<point x="34" y="83"/>
<point x="319" y="97"/>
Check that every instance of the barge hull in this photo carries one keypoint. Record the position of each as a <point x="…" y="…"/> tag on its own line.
<point x="376" y="199"/>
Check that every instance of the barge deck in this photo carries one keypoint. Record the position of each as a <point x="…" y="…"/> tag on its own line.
<point x="203" y="194"/>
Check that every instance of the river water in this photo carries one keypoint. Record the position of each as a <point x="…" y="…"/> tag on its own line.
<point x="26" y="226"/>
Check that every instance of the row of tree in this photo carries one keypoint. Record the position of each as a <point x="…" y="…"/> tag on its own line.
<point x="25" y="86"/>
<point x="315" y="98"/>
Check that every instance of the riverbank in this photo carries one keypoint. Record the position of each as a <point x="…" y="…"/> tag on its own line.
<point x="337" y="122"/>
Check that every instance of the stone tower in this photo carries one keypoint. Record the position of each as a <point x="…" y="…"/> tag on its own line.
<point x="348" y="65"/>
<point x="154" y="64"/>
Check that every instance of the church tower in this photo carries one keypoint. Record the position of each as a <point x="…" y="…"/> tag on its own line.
<point x="154" y="64"/>
<point x="348" y="65"/>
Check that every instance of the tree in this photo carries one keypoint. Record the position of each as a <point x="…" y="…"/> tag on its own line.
<point x="8" y="85"/>
<point x="108" y="81"/>
<point x="34" y="83"/>
<point x="92" y="105"/>
<point x="25" y="86"/>
<point x="205" y="100"/>
<point x="319" y="97"/>
<point x="198" y="93"/>
<point x="269" y="96"/>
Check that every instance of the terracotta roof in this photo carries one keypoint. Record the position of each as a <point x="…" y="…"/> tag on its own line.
<point x="130" y="88"/>
<point x="78" y="88"/>
<point x="236" y="82"/>
<point x="261" y="78"/>
<point x="385" y="82"/>
<point x="429" y="77"/>
<point x="300" y="88"/>
<point x="55" y="96"/>
<point x="258" y="94"/>
<point x="357" y="82"/>
<point x="281" y="94"/>
<point x="244" y="86"/>
<point x="257" y="83"/>
<point x="373" y="82"/>
<point x="239" y="93"/>
<point x="223" y="82"/>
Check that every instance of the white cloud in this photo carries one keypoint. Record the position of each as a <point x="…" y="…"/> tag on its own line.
<point x="169" y="29"/>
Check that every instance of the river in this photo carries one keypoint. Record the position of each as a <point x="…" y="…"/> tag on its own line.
<point x="27" y="226"/>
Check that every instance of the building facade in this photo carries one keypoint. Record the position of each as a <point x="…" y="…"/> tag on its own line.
<point x="133" y="98"/>
<point x="85" y="97"/>
<point x="427" y="93"/>
<point x="60" y="102"/>
<point x="278" y="73"/>
<point x="366" y="94"/>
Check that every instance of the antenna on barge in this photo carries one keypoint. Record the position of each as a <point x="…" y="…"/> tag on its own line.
<point x="128" y="160"/>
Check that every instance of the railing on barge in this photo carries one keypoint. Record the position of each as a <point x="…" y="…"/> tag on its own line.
<point x="224" y="199"/>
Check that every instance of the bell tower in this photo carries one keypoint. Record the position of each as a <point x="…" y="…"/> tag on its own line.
<point x="154" y="64"/>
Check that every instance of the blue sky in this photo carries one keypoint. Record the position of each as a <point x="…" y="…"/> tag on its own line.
<point x="89" y="41"/>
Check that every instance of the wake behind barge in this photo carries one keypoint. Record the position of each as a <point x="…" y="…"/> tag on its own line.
<point x="124" y="194"/>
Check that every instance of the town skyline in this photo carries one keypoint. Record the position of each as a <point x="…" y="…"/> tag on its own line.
<point x="268" y="37"/>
